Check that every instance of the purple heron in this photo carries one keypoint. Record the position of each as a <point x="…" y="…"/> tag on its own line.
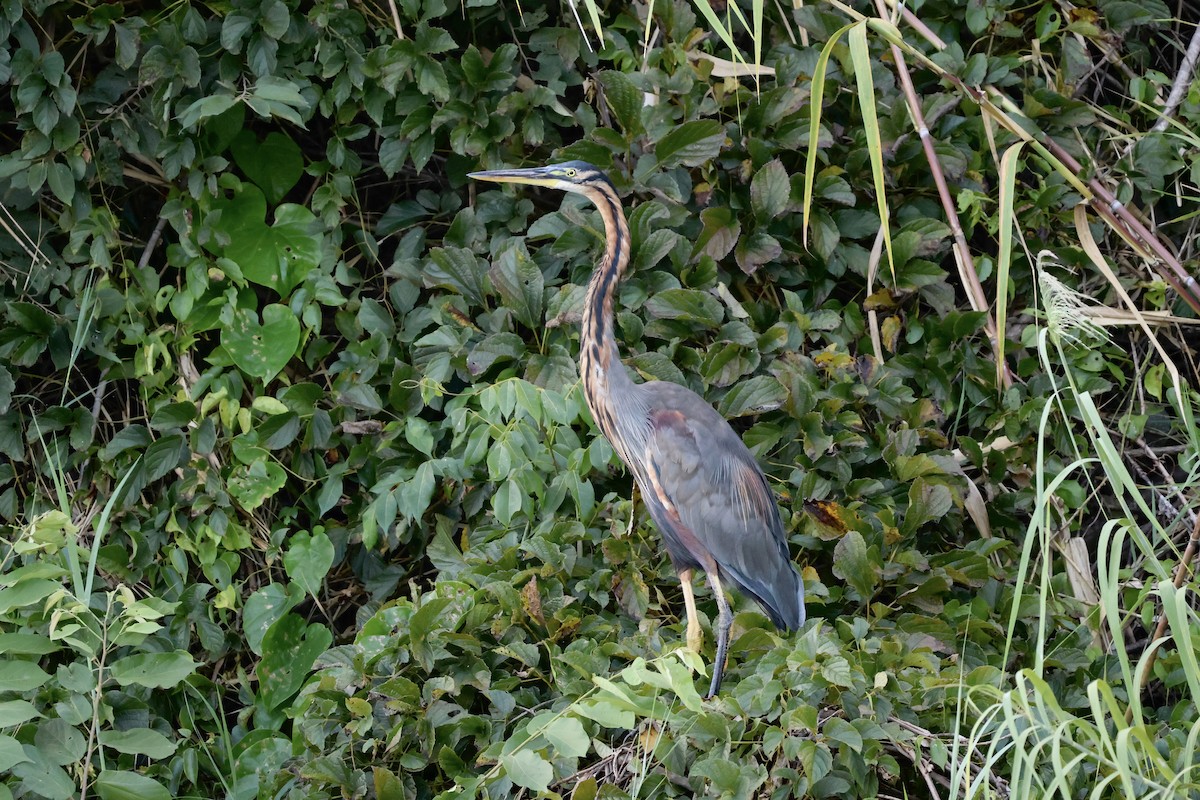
<point x="705" y="492"/>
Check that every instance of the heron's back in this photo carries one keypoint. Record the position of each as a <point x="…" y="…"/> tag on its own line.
<point x="711" y="501"/>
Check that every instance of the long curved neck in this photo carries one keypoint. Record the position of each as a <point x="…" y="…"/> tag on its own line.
<point x="605" y="381"/>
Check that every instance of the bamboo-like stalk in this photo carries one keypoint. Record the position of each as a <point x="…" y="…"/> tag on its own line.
<point x="962" y="252"/>
<point x="1002" y="109"/>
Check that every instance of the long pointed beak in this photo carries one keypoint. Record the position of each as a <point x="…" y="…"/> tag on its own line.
<point x="534" y="176"/>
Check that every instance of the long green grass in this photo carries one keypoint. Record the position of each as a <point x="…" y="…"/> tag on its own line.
<point x="1115" y="746"/>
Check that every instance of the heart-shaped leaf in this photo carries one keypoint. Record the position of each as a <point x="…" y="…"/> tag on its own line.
<point x="278" y="255"/>
<point x="253" y="485"/>
<point x="274" y="165"/>
<point x="308" y="559"/>
<point x="289" y="650"/>
<point x="261" y="350"/>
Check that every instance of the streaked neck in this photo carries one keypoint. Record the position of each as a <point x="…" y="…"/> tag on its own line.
<point x="600" y="366"/>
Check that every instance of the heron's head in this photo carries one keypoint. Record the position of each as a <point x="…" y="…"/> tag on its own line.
<point x="570" y="176"/>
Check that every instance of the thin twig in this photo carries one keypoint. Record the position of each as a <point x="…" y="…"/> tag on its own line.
<point x="1183" y="79"/>
<point x="1170" y="482"/>
<point x="155" y="235"/>
<point x="396" y="19"/>
<point x="1126" y="223"/>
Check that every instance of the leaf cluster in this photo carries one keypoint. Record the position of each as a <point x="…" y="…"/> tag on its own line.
<point x="304" y="496"/>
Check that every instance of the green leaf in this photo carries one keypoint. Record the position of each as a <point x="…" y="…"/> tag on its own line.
<point x="211" y="106"/>
<point x="153" y="670"/>
<point x="770" y="190"/>
<point x="254" y="485"/>
<point x="691" y="144"/>
<point x="26" y="644"/>
<point x="20" y="676"/>
<point x="503" y="346"/>
<point x="753" y="396"/>
<point x="11" y="751"/>
<point x="688" y="305"/>
<point x="568" y="737"/>
<point x="26" y="594"/>
<point x="755" y="250"/>
<point x="274" y="165"/>
<point x="854" y="564"/>
<point x="839" y="730"/>
<point x="520" y="284"/>
<point x="457" y="269"/>
<point x="138" y="741"/>
<point x="261" y="350"/>
<point x="289" y="650"/>
<point x="262" y="759"/>
<point x="654" y="248"/>
<point x="264" y="608"/>
<point x="48" y="780"/>
<point x="528" y="769"/>
<point x="308" y="559"/>
<point x="280" y="255"/>
<point x="15" y="712"/>
<point x="163" y="456"/>
<point x="426" y="619"/>
<point x="58" y="742"/>
<point x="720" y="233"/>
<point x="30" y="317"/>
<point x="607" y="713"/>
<point x="126" y="439"/>
<point x="625" y="100"/>
<point x="508" y="501"/>
<point x="112" y="784"/>
<point x="414" y="495"/>
<point x="61" y="181"/>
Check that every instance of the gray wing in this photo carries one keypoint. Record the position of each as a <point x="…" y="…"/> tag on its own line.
<point x="712" y="502"/>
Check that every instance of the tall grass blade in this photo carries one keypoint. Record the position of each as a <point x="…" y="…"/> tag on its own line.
<point x="1008" y="182"/>
<point x="814" y="126"/>
<point x="860" y="57"/>
<point x="101" y="527"/>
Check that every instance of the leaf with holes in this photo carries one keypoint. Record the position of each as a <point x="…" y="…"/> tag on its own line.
<point x="252" y="486"/>
<point x="261" y="350"/>
<point x="289" y="650"/>
<point x="279" y="255"/>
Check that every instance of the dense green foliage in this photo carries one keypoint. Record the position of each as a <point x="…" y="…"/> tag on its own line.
<point x="302" y="493"/>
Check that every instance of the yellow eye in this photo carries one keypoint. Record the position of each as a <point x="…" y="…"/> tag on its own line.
<point x="569" y="173"/>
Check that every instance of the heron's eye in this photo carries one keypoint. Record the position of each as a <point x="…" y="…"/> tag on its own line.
<point x="569" y="173"/>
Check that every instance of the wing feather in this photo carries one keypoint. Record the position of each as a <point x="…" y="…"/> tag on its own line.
<point x="711" y="501"/>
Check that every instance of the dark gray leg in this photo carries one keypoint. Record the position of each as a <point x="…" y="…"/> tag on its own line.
<point x="724" y="622"/>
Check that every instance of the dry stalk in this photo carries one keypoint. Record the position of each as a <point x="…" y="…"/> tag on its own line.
<point x="962" y="252"/>
<point x="998" y="106"/>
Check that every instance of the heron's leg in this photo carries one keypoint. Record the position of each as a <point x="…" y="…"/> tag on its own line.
<point x="695" y="636"/>
<point x="724" y="622"/>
